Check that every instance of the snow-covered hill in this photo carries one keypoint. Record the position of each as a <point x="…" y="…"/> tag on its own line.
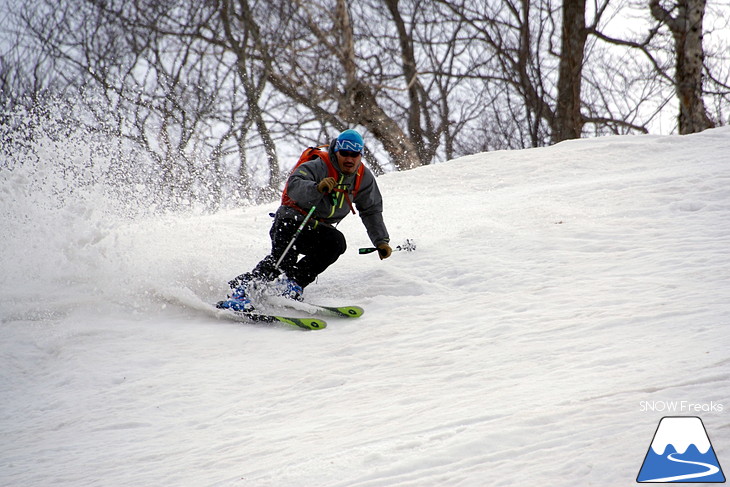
<point x="560" y="302"/>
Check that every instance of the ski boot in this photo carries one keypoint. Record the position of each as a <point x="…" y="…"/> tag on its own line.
<point x="237" y="301"/>
<point x="289" y="289"/>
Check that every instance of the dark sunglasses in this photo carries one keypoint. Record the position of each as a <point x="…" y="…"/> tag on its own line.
<point x="349" y="153"/>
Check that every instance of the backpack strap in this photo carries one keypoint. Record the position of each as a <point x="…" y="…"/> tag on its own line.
<point x="311" y="153"/>
<point x="355" y="188"/>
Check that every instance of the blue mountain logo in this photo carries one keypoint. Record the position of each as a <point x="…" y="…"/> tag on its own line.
<point x="681" y="452"/>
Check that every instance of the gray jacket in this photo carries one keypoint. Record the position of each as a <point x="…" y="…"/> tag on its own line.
<point x="332" y="208"/>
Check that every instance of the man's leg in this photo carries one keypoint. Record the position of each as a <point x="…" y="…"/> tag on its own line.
<point x="321" y="246"/>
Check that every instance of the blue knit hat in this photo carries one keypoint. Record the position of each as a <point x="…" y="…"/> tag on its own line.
<point x="349" y="140"/>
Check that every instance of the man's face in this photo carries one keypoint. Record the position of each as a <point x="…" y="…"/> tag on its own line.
<point x="348" y="161"/>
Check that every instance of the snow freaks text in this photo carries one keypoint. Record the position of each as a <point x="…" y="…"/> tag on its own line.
<point x="688" y="407"/>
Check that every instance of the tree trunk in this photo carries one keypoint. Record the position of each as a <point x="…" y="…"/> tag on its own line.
<point x="568" y="123"/>
<point x="410" y="74"/>
<point x="686" y="28"/>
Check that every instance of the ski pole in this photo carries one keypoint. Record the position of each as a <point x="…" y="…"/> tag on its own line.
<point x="296" y="234"/>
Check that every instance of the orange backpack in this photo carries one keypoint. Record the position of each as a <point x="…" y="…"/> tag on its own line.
<point x="311" y="153"/>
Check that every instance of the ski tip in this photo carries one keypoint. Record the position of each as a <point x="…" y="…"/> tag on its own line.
<point x="352" y="311"/>
<point x="304" y="323"/>
<point x="341" y="311"/>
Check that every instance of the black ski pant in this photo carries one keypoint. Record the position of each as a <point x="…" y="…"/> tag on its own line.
<point x="319" y="245"/>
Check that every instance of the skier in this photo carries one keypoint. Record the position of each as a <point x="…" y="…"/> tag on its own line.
<point x="331" y="186"/>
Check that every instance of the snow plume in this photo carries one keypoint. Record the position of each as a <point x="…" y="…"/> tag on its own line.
<point x="67" y="190"/>
<point x="61" y="154"/>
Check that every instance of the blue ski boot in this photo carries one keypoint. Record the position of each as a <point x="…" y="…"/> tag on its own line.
<point x="289" y="289"/>
<point x="238" y="301"/>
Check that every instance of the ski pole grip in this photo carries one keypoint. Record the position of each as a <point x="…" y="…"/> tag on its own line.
<point x="408" y="246"/>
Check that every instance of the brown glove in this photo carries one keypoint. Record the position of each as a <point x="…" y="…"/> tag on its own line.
<point x="384" y="250"/>
<point x="326" y="185"/>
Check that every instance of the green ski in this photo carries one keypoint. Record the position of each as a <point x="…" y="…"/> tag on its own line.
<point x="340" y="311"/>
<point x="318" y="309"/>
<point x="304" y="323"/>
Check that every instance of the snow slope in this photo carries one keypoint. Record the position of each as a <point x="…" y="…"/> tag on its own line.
<point x="559" y="301"/>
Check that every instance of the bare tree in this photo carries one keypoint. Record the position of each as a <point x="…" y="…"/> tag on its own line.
<point x="223" y="94"/>
<point x="233" y="28"/>
<point x="568" y="123"/>
<point x="684" y="19"/>
<point x="552" y="72"/>
<point x="358" y="103"/>
<point x="313" y="61"/>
